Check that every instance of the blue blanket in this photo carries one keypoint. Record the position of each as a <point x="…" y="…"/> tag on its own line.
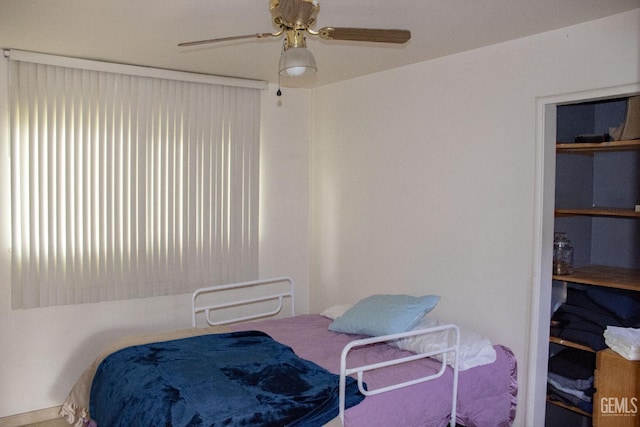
<point x="234" y="379"/>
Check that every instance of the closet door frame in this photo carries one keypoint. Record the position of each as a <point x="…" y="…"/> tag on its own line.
<point x="545" y="164"/>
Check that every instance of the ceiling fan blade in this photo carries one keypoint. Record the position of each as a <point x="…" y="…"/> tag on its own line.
<point x="365" y="34"/>
<point x="226" y="39"/>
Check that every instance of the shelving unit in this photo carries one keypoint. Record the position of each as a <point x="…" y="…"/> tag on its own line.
<point x="597" y="188"/>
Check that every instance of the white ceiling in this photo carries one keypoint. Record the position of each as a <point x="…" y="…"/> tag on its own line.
<point x="146" y="32"/>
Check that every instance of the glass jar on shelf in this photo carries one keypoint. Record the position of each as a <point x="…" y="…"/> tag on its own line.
<point x="562" y="254"/>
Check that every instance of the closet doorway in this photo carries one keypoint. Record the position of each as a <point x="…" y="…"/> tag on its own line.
<point x="541" y="292"/>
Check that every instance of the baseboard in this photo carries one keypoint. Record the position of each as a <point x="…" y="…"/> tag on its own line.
<point x="30" y="417"/>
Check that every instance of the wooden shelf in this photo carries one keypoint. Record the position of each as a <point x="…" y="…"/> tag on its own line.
<point x="599" y="211"/>
<point x="571" y="344"/>
<point x="592" y="147"/>
<point x="569" y="407"/>
<point x="610" y="277"/>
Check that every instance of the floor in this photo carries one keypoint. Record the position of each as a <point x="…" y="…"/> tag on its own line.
<point x="51" y="423"/>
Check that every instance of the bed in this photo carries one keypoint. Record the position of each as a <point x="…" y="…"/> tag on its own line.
<point x="298" y="369"/>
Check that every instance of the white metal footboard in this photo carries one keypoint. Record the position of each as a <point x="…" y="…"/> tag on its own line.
<point x="360" y="370"/>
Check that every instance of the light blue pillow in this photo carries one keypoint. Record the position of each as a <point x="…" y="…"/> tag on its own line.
<point x="384" y="314"/>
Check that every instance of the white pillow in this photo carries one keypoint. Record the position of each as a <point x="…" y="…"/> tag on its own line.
<point x="475" y="350"/>
<point x="336" y="311"/>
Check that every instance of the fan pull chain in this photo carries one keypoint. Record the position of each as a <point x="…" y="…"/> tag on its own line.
<point x="279" y="92"/>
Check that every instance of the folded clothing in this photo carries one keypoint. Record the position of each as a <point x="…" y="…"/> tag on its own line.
<point x="568" y="399"/>
<point x="624" y="341"/>
<point x="570" y="378"/>
<point x="573" y="363"/>
<point x="587" y="313"/>
<point x="584" y="395"/>
<point x="592" y="340"/>
<point x="623" y="304"/>
<point x="570" y="383"/>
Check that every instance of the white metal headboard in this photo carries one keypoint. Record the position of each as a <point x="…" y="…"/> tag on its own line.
<point x="209" y="308"/>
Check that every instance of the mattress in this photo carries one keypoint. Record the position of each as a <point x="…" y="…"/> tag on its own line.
<point x="487" y="394"/>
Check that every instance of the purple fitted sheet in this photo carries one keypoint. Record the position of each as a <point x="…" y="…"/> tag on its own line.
<point x="487" y="395"/>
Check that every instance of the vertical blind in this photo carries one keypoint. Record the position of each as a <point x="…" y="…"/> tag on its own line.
<point x="126" y="186"/>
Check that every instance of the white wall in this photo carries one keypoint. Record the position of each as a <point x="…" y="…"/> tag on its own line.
<point x="284" y="189"/>
<point x="423" y="178"/>
<point x="43" y="351"/>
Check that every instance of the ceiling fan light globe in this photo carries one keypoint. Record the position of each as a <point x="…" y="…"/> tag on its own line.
<point x="296" y="62"/>
<point x="296" y="71"/>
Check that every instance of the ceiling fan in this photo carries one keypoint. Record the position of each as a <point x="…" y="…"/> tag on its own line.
<point x="294" y="18"/>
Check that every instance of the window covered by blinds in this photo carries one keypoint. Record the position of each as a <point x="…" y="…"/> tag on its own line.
<point x="127" y="186"/>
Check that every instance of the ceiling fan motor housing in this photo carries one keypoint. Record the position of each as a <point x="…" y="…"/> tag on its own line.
<point x="294" y="14"/>
<point x="295" y="38"/>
